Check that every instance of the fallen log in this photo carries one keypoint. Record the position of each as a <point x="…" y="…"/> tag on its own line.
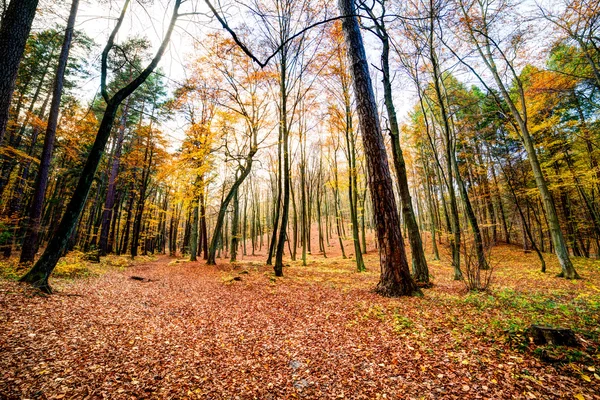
<point x="141" y="279"/>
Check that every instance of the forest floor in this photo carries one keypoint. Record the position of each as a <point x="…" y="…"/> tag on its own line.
<point x="192" y="331"/>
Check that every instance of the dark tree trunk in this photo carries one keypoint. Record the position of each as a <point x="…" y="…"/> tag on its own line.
<point x="32" y="234"/>
<point x="224" y="204"/>
<point x="16" y="24"/>
<point x="235" y="226"/>
<point x="15" y="137"/>
<point x="395" y="275"/>
<point x="203" y="230"/>
<point x="277" y="204"/>
<point x="137" y="223"/>
<point x="123" y="247"/>
<point x="419" y="262"/>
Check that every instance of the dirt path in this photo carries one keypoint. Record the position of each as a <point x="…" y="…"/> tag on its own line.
<point x="190" y="334"/>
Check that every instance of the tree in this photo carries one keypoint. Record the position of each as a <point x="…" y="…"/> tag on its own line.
<point x="419" y="263"/>
<point x="30" y="244"/>
<point x="39" y="274"/>
<point x="477" y="25"/>
<point x="16" y="24"/>
<point x="395" y="277"/>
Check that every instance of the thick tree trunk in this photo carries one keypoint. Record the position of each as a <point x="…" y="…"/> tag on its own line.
<point x="14" y="31"/>
<point x="395" y="277"/>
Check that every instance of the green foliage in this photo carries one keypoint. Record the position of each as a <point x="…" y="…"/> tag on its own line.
<point x="401" y="323"/>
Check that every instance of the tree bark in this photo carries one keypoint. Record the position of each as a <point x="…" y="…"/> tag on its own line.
<point x="16" y="24"/>
<point x="395" y="277"/>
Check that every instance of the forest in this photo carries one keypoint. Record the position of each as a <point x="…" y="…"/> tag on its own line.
<point x="267" y="199"/>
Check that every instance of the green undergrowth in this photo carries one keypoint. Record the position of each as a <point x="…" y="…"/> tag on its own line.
<point x="500" y="317"/>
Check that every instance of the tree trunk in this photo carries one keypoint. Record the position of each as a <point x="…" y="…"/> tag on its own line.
<point x="224" y="204"/>
<point x="16" y="24"/>
<point x="395" y="277"/>
<point x="194" y="232"/>
<point x="283" y="121"/>
<point x="111" y="190"/>
<point x="235" y="227"/>
<point x="39" y="274"/>
<point x="419" y="262"/>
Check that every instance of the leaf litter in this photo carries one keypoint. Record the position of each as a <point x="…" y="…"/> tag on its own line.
<point x="319" y="332"/>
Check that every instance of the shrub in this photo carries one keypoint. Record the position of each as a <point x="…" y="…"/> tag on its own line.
<point x="478" y="273"/>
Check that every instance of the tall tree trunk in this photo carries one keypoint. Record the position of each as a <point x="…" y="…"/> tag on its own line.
<point x="32" y="234"/>
<point x="16" y="24"/>
<point x="194" y="232"/>
<point x="352" y="175"/>
<point x="243" y="173"/>
<point x="485" y="51"/>
<point x="137" y="222"/>
<point x="203" y="229"/>
<point x="419" y="262"/>
<point x="283" y="122"/>
<point x="277" y="203"/>
<point x="109" y="203"/>
<point x="395" y="277"/>
<point x="235" y="226"/>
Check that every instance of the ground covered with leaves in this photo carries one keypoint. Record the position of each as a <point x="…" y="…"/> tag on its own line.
<point x="236" y="332"/>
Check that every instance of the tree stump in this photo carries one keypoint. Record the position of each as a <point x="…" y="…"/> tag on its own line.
<point x="554" y="336"/>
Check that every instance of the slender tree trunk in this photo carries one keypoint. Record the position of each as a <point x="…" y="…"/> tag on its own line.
<point x="109" y="203"/>
<point x="567" y="269"/>
<point x="32" y="233"/>
<point x="224" y="204"/>
<point x="419" y="262"/>
<point x="235" y="226"/>
<point x="283" y="121"/>
<point x="194" y="225"/>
